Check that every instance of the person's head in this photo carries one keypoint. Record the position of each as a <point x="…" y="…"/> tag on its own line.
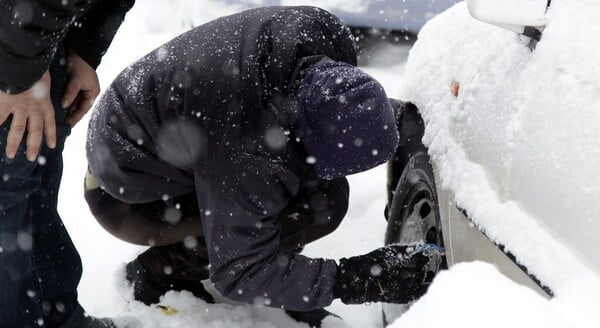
<point x="345" y="119"/>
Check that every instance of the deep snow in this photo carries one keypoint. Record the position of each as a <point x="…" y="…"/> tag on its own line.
<point x="468" y="295"/>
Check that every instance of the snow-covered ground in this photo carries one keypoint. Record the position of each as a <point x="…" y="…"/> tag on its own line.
<point x="468" y="295"/>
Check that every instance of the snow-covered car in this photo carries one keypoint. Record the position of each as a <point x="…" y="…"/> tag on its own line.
<point x="508" y="171"/>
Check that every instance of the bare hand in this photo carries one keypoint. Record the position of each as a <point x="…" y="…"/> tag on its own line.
<point x="31" y="111"/>
<point x="82" y="88"/>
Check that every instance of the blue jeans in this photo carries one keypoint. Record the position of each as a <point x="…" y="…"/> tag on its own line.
<point x="39" y="265"/>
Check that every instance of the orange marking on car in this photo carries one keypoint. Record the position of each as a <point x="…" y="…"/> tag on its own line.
<point x="455" y="88"/>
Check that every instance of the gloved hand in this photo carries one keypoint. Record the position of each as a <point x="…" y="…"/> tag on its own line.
<point x="391" y="274"/>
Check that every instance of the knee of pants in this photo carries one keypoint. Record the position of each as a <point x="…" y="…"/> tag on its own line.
<point x="111" y="214"/>
<point x="155" y="223"/>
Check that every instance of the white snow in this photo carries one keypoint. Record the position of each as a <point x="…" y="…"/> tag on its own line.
<point x="492" y="301"/>
<point x="468" y="295"/>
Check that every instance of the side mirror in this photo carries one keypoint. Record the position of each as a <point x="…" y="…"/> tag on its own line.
<point x="515" y="15"/>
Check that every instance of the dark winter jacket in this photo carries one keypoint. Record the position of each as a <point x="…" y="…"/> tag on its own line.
<point x="30" y="31"/>
<point x="216" y="111"/>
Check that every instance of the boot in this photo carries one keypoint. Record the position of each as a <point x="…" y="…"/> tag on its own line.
<point x="165" y="268"/>
<point x="313" y="318"/>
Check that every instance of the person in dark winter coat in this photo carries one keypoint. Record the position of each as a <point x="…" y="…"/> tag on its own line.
<point x="226" y="150"/>
<point x="49" y="50"/>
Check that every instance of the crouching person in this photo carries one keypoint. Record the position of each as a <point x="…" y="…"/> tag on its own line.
<point x="229" y="145"/>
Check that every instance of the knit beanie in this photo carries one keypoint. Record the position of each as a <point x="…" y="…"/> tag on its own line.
<point x="345" y="119"/>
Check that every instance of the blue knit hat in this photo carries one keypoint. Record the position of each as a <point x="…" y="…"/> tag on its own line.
<point x="345" y="119"/>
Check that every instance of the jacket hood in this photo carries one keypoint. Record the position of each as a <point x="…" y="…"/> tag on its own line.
<point x="345" y="119"/>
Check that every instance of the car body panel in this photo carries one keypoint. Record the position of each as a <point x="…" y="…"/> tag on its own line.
<point x="518" y="147"/>
<point x="466" y="243"/>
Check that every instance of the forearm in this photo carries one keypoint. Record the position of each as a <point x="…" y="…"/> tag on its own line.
<point x="282" y="280"/>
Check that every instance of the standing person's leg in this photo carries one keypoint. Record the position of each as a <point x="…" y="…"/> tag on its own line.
<point x="38" y="261"/>
<point x="39" y="265"/>
<point x="56" y="261"/>
<point x="19" y="299"/>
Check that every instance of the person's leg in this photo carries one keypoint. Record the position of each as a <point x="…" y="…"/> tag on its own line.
<point x="40" y="262"/>
<point x="177" y="259"/>
<point x="56" y="261"/>
<point x="19" y="299"/>
<point x="148" y="224"/>
<point x="312" y="214"/>
<point x="39" y="265"/>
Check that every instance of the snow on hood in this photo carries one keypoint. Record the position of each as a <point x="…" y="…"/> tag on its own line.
<point x="520" y="145"/>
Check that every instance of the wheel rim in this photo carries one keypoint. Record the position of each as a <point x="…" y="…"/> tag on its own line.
<point x="418" y="217"/>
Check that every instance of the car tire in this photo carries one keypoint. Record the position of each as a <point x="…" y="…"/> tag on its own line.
<point x="413" y="212"/>
<point x="413" y="216"/>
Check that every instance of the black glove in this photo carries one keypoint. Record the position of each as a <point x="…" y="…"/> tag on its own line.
<point x="391" y="274"/>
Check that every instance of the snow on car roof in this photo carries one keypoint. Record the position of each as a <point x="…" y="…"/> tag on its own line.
<point x="520" y="145"/>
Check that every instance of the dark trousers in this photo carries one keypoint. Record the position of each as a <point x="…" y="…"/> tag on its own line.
<point x="39" y="266"/>
<point x="174" y="230"/>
